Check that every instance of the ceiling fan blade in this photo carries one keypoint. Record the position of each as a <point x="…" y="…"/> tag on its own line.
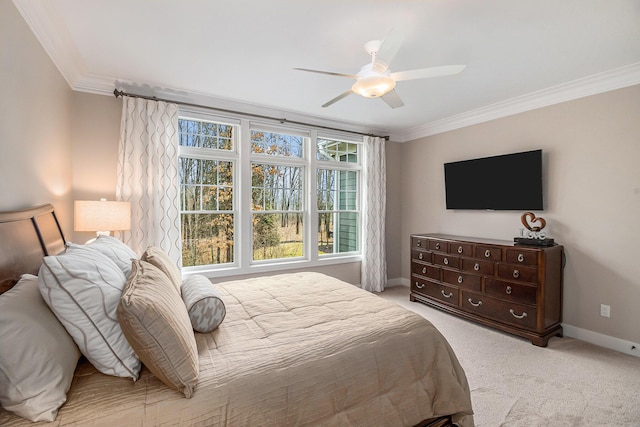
<point x="422" y="73"/>
<point x="337" y="98"/>
<point x="392" y="99"/>
<point x="327" y="72"/>
<point x="388" y="49"/>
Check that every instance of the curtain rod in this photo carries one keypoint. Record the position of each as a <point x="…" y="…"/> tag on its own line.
<point x="121" y="93"/>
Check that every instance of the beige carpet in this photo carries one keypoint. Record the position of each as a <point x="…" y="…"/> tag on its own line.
<point x="513" y="383"/>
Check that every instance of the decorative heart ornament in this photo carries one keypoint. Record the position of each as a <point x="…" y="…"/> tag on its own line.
<point x="528" y="219"/>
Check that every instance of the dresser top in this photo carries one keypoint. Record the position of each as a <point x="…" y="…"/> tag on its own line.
<point x="480" y="240"/>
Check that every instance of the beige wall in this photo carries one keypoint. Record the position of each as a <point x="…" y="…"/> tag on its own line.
<point x="393" y="154"/>
<point x="591" y="175"/>
<point x="95" y="133"/>
<point x="35" y="122"/>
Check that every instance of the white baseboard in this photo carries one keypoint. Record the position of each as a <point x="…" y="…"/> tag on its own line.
<point x="602" y="340"/>
<point x="398" y="281"/>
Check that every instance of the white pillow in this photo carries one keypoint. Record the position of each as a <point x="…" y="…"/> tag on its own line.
<point x="115" y="250"/>
<point x="204" y="305"/>
<point x="83" y="287"/>
<point x="37" y="355"/>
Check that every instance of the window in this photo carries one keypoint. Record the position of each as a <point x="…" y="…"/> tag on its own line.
<point x="277" y="190"/>
<point x="337" y="196"/>
<point x="256" y="197"/>
<point x="207" y="218"/>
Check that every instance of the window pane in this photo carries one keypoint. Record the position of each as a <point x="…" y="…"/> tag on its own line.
<point x="189" y="171"/>
<point x="199" y="190"/>
<point x="190" y="197"/>
<point x="197" y="133"/>
<point x="326" y="189"/>
<point x="337" y="151"/>
<point x="277" y="236"/>
<point x="276" y="144"/>
<point x="348" y="186"/>
<point x="276" y="187"/>
<point x="337" y="190"/>
<point x="338" y="232"/>
<point x="206" y="239"/>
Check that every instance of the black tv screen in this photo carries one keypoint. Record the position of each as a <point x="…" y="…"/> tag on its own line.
<point x="506" y="182"/>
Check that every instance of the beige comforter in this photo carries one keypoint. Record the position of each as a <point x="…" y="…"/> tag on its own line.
<point x="294" y="349"/>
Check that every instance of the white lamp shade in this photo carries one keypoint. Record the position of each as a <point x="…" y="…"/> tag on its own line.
<point x="104" y="216"/>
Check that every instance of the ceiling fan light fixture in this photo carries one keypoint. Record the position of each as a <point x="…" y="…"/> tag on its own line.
<point x="373" y="86"/>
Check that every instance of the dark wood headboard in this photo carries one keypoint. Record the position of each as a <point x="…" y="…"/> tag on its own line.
<point x="26" y="236"/>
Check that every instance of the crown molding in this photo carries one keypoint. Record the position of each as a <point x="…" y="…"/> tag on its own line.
<point x="47" y="26"/>
<point x="591" y="85"/>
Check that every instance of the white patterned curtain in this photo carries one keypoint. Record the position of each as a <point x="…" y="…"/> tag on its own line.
<point x="373" y="274"/>
<point x="148" y="174"/>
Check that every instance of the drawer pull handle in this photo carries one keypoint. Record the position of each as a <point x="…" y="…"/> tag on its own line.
<point x="521" y="316"/>
<point x="459" y="279"/>
<point x="476" y="266"/>
<point x="419" y="286"/>
<point x="438" y="245"/>
<point x="487" y="253"/>
<point x="446" y="261"/>
<point x="475" y="304"/>
<point x="516" y="273"/>
<point x="509" y="290"/>
<point x="424" y="270"/>
<point x="449" y="295"/>
<point x="520" y="257"/>
<point x="419" y="243"/>
<point x="459" y="249"/>
<point x="420" y="256"/>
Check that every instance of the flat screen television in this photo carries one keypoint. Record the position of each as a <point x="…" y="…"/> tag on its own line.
<point x="505" y="182"/>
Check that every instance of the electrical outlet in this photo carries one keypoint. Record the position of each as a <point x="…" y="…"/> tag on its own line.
<point x="605" y="310"/>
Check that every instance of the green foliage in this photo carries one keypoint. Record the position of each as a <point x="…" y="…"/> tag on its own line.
<point x="265" y="232"/>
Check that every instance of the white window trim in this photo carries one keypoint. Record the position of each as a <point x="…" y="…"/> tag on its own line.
<point x="242" y="157"/>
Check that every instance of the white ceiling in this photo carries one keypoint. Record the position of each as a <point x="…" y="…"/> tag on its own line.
<point x="240" y="54"/>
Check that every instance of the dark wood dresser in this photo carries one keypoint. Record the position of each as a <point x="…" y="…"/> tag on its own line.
<point x="514" y="288"/>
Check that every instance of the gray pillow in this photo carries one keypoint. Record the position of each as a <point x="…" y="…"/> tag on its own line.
<point x="155" y="321"/>
<point x="204" y="305"/>
<point x="161" y="260"/>
<point x="37" y="355"/>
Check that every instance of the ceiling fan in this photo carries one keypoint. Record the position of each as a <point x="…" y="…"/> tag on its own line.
<point x="375" y="80"/>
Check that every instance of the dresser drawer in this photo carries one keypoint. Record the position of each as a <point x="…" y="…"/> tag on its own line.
<point x="476" y="265"/>
<point x="434" y="290"/>
<point x="439" y="246"/>
<point x="421" y="255"/>
<point x="426" y="270"/>
<point x="517" y="272"/>
<point x="464" y="249"/>
<point x="521" y="256"/>
<point x="464" y="280"/>
<point x="511" y="291"/>
<point x="446" y="260"/>
<point x="522" y="316"/>
<point x="419" y="243"/>
<point x="488" y="253"/>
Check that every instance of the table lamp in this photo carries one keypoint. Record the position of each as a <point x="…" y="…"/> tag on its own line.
<point x="101" y="216"/>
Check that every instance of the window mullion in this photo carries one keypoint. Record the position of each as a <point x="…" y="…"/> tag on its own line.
<point x="244" y="237"/>
<point x="312" y="199"/>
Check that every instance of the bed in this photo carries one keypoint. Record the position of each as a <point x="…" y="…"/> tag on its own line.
<point x="293" y="349"/>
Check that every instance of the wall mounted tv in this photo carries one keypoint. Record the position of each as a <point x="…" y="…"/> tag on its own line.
<point x="506" y="182"/>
